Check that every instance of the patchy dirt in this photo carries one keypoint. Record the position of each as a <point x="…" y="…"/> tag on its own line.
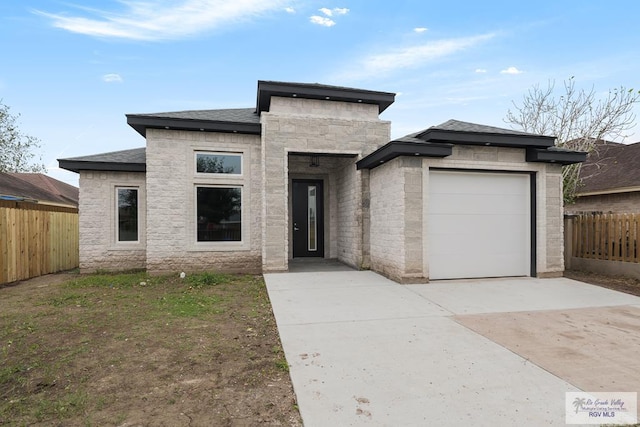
<point x="628" y="285"/>
<point x="132" y="350"/>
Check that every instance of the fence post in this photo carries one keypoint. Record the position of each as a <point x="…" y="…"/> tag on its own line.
<point x="568" y="240"/>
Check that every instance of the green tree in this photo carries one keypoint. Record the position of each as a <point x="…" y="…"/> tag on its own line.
<point x="579" y="119"/>
<point x="17" y="150"/>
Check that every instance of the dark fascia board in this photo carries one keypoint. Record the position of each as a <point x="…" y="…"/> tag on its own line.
<point x="141" y="122"/>
<point x="481" y="138"/>
<point x="395" y="149"/>
<point x="306" y="91"/>
<point x="76" y="166"/>
<point x="555" y="156"/>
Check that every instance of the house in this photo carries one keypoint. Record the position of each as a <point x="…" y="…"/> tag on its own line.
<point x="37" y="188"/>
<point x="310" y="172"/>
<point x="610" y="180"/>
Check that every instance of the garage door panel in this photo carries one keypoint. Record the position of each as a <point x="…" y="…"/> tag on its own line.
<point x="478" y="224"/>
<point x="480" y="204"/>
<point x="455" y="183"/>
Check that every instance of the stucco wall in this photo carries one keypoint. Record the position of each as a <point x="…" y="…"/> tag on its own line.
<point x="171" y="216"/>
<point x="607" y="203"/>
<point x="309" y="126"/>
<point x="99" y="249"/>
<point x="399" y="191"/>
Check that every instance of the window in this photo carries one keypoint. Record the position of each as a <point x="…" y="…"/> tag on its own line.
<point x="219" y="214"/>
<point x="127" y="214"/>
<point x="217" y="163"/>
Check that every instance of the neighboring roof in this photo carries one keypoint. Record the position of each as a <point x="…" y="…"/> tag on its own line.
<point x="14" y="187"/>
<point x="438" y="141"/>
<point x="240" y="120"/>
<point x="134" y="160"/>
<point x="611" y="168"/>
<point x="61" y="189"/>
<point x="267" y="89"/>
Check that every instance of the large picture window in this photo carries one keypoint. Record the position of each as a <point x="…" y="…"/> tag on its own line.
<point x="127" y="214"/>
<point x="219" y="214"/>
<point x="218" y="163"/>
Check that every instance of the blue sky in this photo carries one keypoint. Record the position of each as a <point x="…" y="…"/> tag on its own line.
<point x="73" y="69"/>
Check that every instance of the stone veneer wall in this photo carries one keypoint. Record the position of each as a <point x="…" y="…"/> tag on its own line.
<point x="606" y="203"/>
<point x="97" y="206"/>
<point x="350" y="232"/>
<point x="398" y="222"/>
<point x="387" y="219"/>
<point x="171" y="216"/>
<point x="312" y="126"/>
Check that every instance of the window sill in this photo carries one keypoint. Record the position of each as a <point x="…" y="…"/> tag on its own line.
<point x="219" y="247"/>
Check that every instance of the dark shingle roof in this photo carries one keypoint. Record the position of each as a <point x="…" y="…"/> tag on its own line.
<point x="236" y="115"/>
<point x="14" y="186"/>
<point x="612" y="166"/>
<point x="239" y="120"/>
<point x="267" y="89"/>
<point x="438" y="141"/>
<point x="460" y="126"/>
<point x="133" y="160"/>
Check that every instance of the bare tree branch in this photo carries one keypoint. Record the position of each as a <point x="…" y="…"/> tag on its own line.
<point x="579" y="120"/>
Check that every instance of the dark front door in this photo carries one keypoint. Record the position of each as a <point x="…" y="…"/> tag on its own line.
<point x="308" y="221"/>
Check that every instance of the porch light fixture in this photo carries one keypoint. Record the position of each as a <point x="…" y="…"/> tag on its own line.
<point x="315" y="161"/>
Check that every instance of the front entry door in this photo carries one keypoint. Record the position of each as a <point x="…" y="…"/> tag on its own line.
<point x="308" y="221"/>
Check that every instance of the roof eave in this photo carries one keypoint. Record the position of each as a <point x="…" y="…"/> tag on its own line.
<point x="395" y="149"/>
<point x="78" y="165"/>
<point x="300" y="90"/>
<point x="488" y="139"/>
<point x="554" y="156"/>
<point x="141" y="123"/>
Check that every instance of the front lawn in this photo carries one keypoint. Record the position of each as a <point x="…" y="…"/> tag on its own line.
<point x="130" y="349"/>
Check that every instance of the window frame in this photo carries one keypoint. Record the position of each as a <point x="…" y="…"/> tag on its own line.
<point x="243" y="225"/>
<point x="218" y="153"/>
<point x="117" y="189"/>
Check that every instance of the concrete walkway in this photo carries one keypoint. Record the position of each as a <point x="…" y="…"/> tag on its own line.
<point x="364" y="350"/>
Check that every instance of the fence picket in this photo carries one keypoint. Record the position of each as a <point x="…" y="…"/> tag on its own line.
<point x="611" y="237"/>
<point x="36" y="239"/>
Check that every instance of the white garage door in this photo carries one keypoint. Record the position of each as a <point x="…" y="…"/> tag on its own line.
<point x="479" y="225"/>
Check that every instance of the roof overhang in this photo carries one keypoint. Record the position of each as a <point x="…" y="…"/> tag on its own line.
<point x="399" y="148"/>
<point x="488" y="139"/>
<point x="555" y="156"/>
<point x="609" y="191"/>
<point x="268" y="89"/>
<point x="142" y="122"/>
<point x="79" y="165"/>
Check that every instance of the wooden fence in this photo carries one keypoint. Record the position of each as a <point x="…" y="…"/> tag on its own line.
<point x="36" y="239"/>
<point x="610" y="237"/>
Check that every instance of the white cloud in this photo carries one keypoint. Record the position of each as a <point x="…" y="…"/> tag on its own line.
<point x="511" y="70"/>
<point x="328" y="22"/>
<point x="321" y="20"/>
<point x="420" y="29"/>
<point x="412" y="56"/>
<point x="336" y="10"/>
<point x="289" y="10"/>
<point x="160" y="19"/>
<point x="481" y="70"/>
<point x="112" y="78"/>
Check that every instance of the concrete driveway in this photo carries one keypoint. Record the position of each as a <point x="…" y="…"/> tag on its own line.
<point x="364" y="350"/>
